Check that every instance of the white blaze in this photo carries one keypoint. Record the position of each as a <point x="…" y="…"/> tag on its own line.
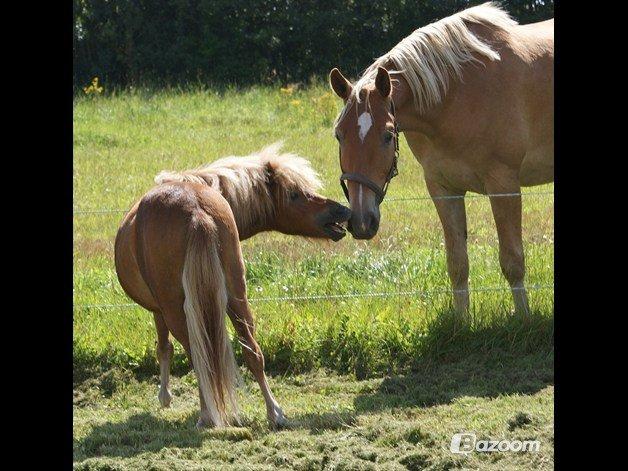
<point x="360" y="196"/>
<point x="364" y="124"/>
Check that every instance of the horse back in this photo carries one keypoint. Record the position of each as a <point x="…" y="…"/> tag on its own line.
<point x="502" y="114"/>
<point x="159" y="235"/>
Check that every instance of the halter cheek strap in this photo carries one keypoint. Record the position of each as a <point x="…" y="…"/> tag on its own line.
<point x="362" y="179"/>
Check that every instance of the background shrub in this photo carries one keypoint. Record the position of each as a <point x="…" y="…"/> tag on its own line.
<point x="217" y="42"/>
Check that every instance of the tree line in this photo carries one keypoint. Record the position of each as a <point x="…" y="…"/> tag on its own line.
<point x="174" y="42"/>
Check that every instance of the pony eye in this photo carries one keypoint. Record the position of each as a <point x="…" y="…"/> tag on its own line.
<point x="294" y="195"/>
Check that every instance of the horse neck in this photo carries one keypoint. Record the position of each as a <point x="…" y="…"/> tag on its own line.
<point x="246" y="231"/>
<point x="250" y="220"/>
<point x="406" y="113"/>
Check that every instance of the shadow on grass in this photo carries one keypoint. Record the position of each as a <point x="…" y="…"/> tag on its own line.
<point x="139" y="433"/>
<point x="453" y="359"/>
<point x="509" y="355"/>
<point x="486" y="375"/>
<point x="144" y="432"/>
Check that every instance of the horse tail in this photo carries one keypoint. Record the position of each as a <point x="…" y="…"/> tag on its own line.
<point x="205" y="307"/>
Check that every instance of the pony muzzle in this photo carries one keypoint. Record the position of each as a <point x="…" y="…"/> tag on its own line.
<point x="334" y="221"/>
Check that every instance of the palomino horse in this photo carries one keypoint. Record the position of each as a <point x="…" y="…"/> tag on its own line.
<point x="473" y="94"/>
<point x="177" y="254"/>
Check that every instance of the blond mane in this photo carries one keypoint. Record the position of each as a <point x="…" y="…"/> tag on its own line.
<point x="245" y="181"/>
<point x="429" y="56"/>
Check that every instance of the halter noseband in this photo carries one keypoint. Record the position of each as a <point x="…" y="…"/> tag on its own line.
<point x="359" y="178"/>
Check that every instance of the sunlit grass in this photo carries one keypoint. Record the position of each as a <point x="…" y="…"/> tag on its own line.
<point x="441" y="374"/>
<point x="122" y="141"/>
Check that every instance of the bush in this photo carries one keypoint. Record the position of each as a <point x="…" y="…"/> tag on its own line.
<point x="174" y="42"/>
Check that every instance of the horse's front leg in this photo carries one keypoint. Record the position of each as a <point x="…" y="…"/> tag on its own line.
<point x="451" y="211"/>
<point x="242" y="319"/>
<point x="507" y="214"/>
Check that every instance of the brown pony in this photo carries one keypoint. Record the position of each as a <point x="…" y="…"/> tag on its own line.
<point x="473" y="95"/>
<point x="177" y="254"/>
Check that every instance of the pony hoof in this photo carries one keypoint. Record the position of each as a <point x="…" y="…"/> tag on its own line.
<point x="200" y="424"/>
<point x="165" y="397"/>
<point x="278" y="419"/>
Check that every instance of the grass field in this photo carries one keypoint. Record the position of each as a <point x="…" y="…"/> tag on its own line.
<point x="367" y="382"/>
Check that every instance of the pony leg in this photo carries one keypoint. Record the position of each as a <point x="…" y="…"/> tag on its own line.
<point x="165" y="349"/>
<point x="507" y="214"/>
<point x="242" y="320"/>
<point x="452" y="215"/>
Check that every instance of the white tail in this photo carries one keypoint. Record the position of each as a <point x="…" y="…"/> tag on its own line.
<point x="205" y="308"/>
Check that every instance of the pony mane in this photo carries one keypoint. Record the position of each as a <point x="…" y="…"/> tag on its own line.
<point x="245" y="181"/>
<point x="431" y="54"/>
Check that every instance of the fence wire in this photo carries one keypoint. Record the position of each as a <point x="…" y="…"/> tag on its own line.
<point x="340" y="296"/>
<point x="78" y="212"/>
<point x="320" y="297"/>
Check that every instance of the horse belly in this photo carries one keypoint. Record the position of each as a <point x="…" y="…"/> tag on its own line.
<point x="537" y="167"/>
<point x="126" y="265"/>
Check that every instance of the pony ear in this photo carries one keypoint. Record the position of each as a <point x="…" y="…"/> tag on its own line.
<point x="382" y="82"/>
<point x="270" y="169"/>
<point x="339" y="84"/>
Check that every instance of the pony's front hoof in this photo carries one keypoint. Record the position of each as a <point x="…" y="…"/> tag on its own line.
<point x="165" y="397"/>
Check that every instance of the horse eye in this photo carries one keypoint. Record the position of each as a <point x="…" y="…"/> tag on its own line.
<point x="294" y="195"/>
<point x="337" y="136"/>
<point x="388" y="138"/>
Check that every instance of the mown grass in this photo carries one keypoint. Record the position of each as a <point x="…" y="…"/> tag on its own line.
<point x="122" y="141"/>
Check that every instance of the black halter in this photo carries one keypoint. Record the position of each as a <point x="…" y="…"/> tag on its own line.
<point x="359" y="178"/>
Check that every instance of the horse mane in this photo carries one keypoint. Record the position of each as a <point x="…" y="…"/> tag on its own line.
<point x="245" y="181"/>
<point x="431" y="54"/>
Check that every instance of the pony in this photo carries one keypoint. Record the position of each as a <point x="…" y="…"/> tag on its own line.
<point x="178" y="255"/>
<point x="473" y="94"/>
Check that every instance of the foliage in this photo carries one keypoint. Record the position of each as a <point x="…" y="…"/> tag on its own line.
<point x="131" y="42"/>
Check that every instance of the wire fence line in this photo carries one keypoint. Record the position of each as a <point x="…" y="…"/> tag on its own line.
<point x="320" y="297"/>
<point x="78" y="212"/>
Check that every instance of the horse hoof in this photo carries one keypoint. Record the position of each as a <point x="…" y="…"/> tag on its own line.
<point x="165" y="397"/>
<point x="200" y="424"/>
<point x="277" y="419"/>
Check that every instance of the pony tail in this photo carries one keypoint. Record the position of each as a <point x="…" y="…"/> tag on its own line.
<point x="205" y="307"/>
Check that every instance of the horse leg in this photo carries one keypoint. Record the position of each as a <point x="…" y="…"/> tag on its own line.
<point x="165" y="349"/>
<point x="174" y="318"/>
<point x="507" y="214"/>
<point x="242" y="320"/>
<point x="452" y="215"/>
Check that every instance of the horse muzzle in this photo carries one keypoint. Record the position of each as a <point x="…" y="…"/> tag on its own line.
<point x="364" y="225"/>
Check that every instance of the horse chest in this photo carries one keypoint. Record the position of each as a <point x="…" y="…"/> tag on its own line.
<point x="453" y="170"/>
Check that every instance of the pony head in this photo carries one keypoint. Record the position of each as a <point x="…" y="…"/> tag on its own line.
<point x="298" y="207"/>
<point x="269" y="190"/>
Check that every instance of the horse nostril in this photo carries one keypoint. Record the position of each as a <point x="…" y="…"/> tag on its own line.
<point x="373" y="223"/>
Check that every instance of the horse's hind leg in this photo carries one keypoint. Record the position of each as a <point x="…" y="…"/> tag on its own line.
<point x="165" y="349"/>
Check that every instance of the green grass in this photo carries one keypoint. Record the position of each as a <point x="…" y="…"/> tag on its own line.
<point x="122" y="141"/>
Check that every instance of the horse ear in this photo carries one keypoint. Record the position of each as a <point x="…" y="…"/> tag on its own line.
<point x="382" y="82"/>
<point x="339" y="84"/>
<point x="270" y="172"/>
